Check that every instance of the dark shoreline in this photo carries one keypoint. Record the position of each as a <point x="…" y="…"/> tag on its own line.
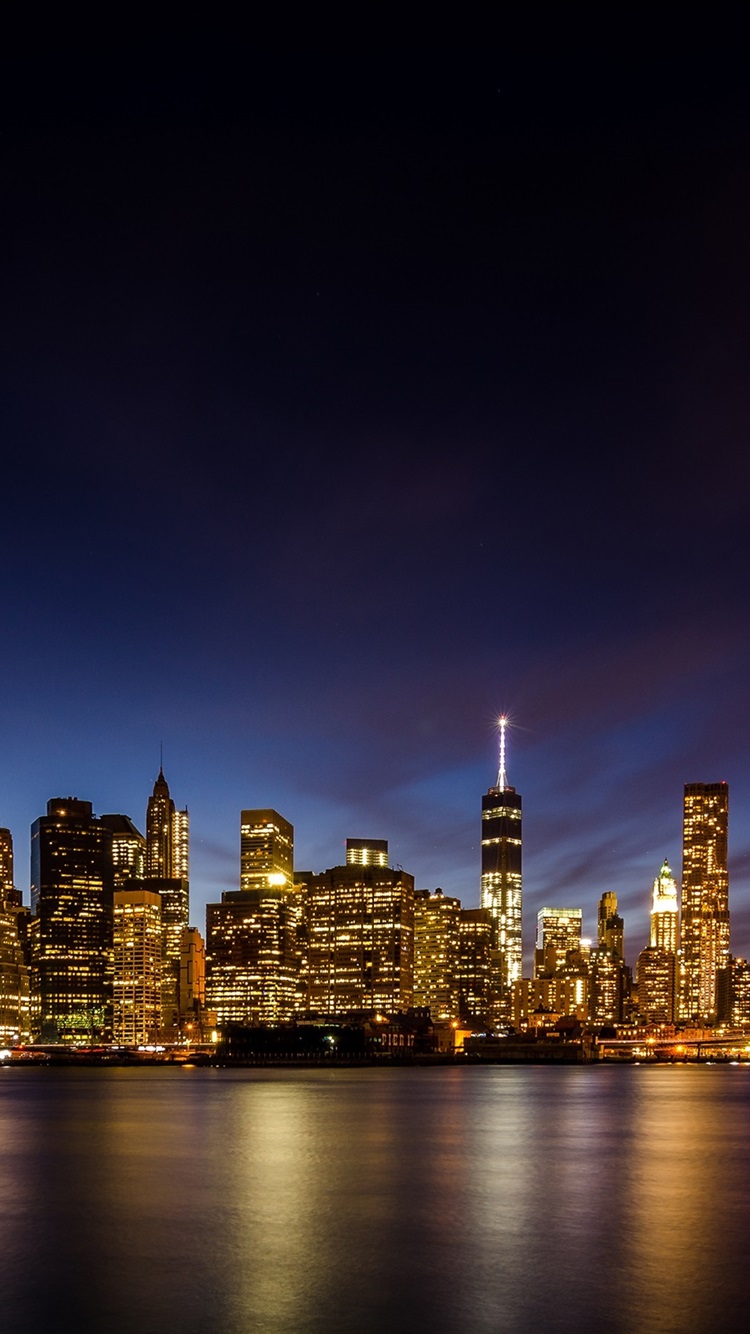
<point x="420" y="1061"/>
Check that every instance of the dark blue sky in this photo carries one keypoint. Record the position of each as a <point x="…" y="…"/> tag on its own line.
<point x="347" y="406"/>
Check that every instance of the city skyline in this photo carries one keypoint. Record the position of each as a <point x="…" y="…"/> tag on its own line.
<point x="636" y="909"/>
<point x="108" y="950"/>
<point x="353" y="397"/>
<point x="347" y="407"/>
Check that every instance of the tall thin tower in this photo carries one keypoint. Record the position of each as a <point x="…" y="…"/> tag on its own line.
<point x="704" y="926"/>
<point x="501" y="881"/>
<point x="160" y="817"/>
<point x="664" y="911"/>
<point x="8" y="892"/>
<point x="167" y="832"/>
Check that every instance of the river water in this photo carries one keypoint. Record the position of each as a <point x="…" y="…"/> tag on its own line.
<point x="145" y="1201"/>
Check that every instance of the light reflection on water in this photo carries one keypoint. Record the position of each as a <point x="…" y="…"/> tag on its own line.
<point x="613" y="1199"/>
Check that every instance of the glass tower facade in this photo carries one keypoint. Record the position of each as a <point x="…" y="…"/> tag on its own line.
<point x="253" y="935"/>
<point x="500" y="891"/>
<point x="359" y="923"/>
<point x="474" y="965"/>
<point x="71" y="895"/>
<point x="704" y="925"/>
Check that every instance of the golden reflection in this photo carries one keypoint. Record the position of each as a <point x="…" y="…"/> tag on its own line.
<point x="322" y="1200"/>
<point x="691" y="1125"/>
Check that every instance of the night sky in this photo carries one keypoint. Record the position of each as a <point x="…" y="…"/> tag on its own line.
<point x="347" y="404"/>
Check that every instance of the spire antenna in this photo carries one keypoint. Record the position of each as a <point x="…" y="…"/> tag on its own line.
<point x="502" y="777"/>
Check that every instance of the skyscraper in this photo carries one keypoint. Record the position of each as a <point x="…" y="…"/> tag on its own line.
<point x="175" y="912"/>
<point x="610" y="926"/>
<point x="253" y="955"/>
<point x="657" y="965"/>
<point x="196" y="1022"/>
<point x="167" y="874"/>
<point x="607" y="974"/>
<point x="159" y="830"/>
<point x="8" y="891"/>
<point x="359" y="922"/>
<point x="266" y="850"/>
<point x="739" y="996"/>
<point x="655" y="972"/>
<point x="558" y="934"/>
<point x="606" y="986"/>
<point x="474" y="965"/>
<point x="14" y="970"/>
<point x="253" y="935"/>
<point x="137" y="938"/>
<point x="166" y="835"/>
<point x="71" y="895"/>
<point x="500" y="890"/>
<point x="128" y="848"/>
<point x="665" y="911"/>
<point x="436" y="953"/>
<point x="367" y="852"/>
<point x="181" y="845"/>
<point x="704" y="926"/>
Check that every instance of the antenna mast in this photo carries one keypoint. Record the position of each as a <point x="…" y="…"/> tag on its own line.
<point x="502" y="777"/>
